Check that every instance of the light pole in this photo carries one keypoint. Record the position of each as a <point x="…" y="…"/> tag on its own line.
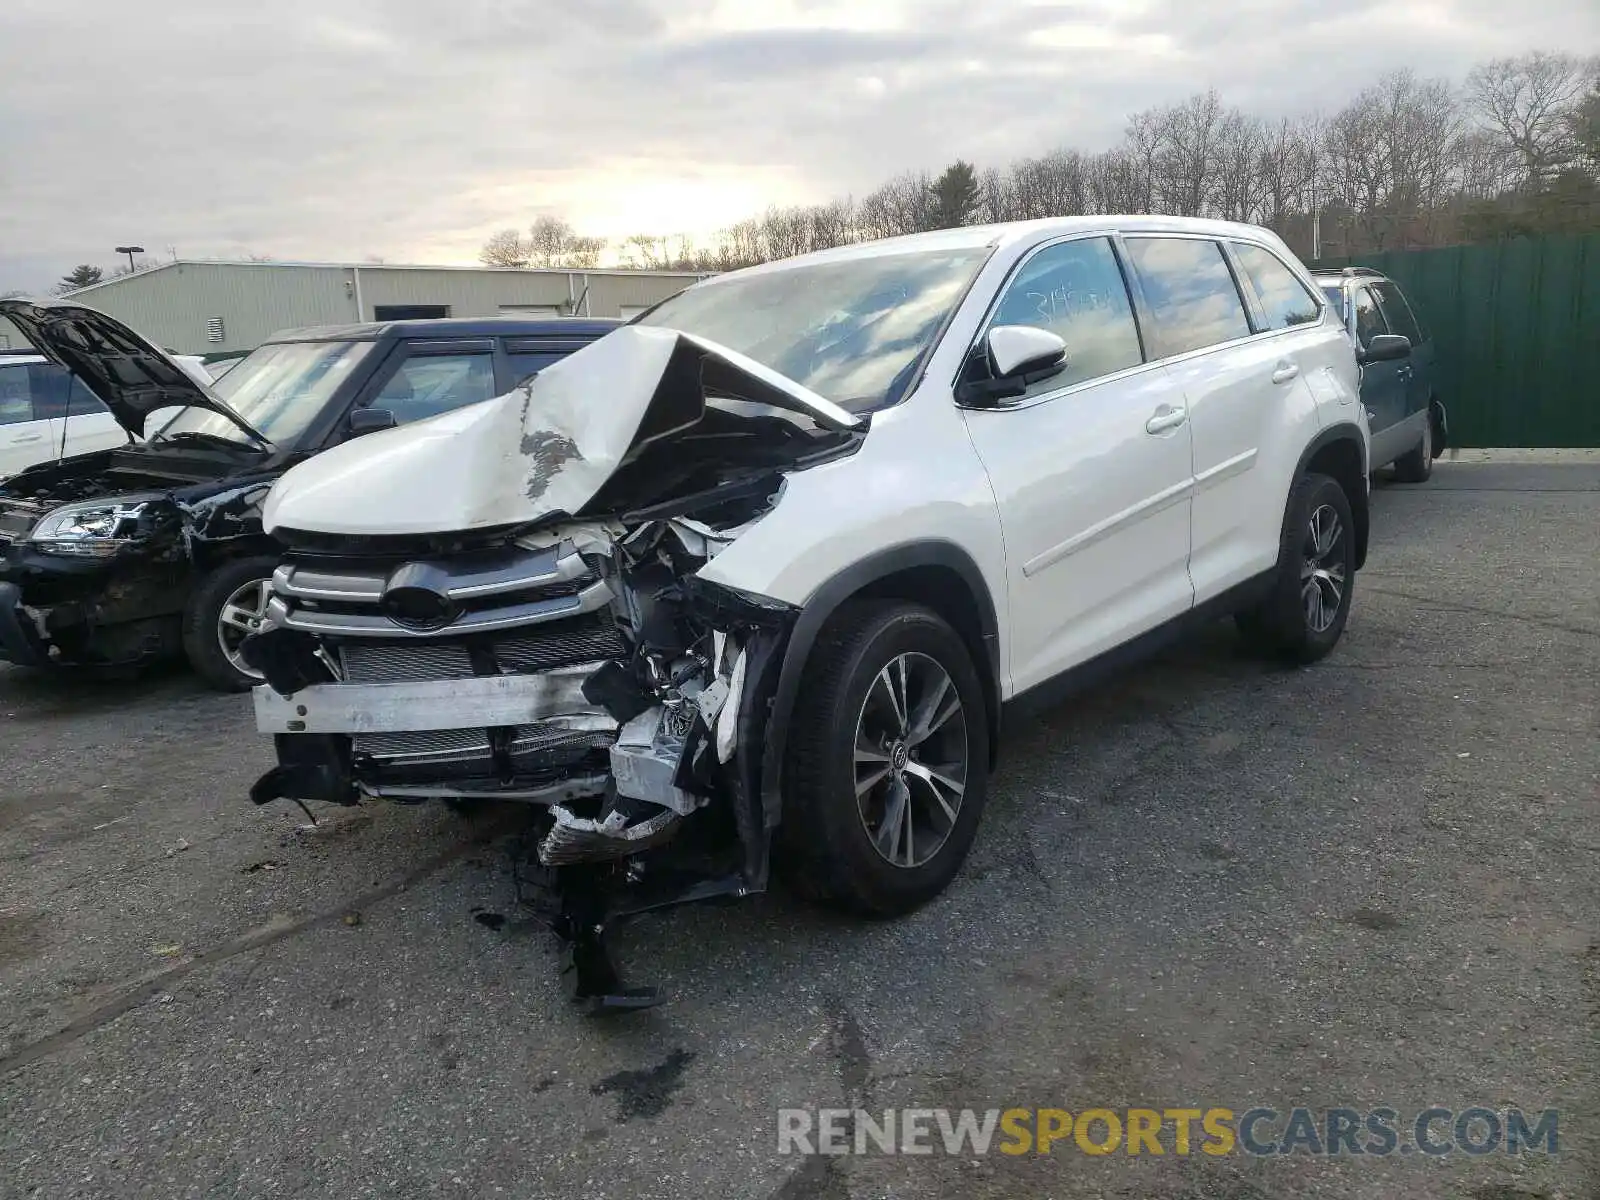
<point x="130" y="251"/>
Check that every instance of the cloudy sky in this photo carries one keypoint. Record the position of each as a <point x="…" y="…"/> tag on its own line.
<point x="304" y="129"/>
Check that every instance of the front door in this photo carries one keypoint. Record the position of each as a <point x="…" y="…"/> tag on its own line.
<point x="1383" y="384"/>
<point x="1091" y="470"/>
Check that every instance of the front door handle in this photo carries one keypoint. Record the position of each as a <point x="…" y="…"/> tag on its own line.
<point x="1166" y="418"/>
<point x="1285" y="372"/>
<point x="22" y="439"/>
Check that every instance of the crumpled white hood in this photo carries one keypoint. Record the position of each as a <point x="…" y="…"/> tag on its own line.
<point x="546" y="447"/>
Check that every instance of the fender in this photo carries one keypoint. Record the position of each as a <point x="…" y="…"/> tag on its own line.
<point x="1344" y="431"/>
<point x="825" y="601"/>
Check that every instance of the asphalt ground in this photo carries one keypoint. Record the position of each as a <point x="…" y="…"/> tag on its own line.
<point x="1211" y="883"/>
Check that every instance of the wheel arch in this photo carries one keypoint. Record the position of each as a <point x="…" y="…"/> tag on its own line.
<point x="1340" y="453"/>
<point x="936" y="573"/>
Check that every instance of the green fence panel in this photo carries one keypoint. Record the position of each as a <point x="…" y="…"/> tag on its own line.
<point x="1517" y="328"/>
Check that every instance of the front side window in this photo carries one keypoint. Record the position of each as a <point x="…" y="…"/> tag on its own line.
<point x="1285" y="301"/>
<point x="1398" y="313"/>
<point x="279" y="388"/>
<point x="1369" y="317"/>
<point x="853" y="330"/>
<point x="427" y="385"/>
<point x="1190" y="290"/>
<point x="1076" y="291"/>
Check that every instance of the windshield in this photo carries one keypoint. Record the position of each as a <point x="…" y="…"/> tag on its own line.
<point x="1335" y="295"/>
<point x="278" y="388"/>
<point x="852" y="331"/>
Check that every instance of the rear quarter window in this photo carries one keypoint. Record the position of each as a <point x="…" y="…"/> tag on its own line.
<point x="1285" y="301"/>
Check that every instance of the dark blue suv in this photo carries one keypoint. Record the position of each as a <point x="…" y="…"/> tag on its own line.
<point x="1409" y="424"/>
<point x="156" y="547"/>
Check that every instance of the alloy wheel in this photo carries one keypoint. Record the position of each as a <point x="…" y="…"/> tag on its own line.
<point x="1322" y="574"/>
<point x="243" y="613"/>
<point x="910" y="759"/>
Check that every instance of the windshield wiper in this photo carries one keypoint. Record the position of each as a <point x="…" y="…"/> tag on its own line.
<point x="213" y="439"/>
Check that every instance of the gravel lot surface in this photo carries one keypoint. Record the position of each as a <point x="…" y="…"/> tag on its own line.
<point x="1210" y="883"/>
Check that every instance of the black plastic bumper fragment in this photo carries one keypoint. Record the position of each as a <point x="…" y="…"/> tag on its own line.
<point x="311" y="766"/>
<point x="15" y="644"/>
<point x="286" y="659"/>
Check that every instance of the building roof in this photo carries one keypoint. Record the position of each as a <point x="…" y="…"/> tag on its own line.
<point x="372" y="266"/>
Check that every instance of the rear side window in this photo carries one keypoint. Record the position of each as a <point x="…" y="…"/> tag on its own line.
<point x="1400" y="317"/>
<point x="81" y="402"/>
<point x="1076" y="291"/>
<point x="1369" y="317"/>
<point x="526" y="363"/>
<point x="1285" y="301"/>
<point x="1190" y="290"/>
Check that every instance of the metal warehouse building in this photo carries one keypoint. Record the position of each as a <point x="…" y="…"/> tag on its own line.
<point x="216" y="308"/>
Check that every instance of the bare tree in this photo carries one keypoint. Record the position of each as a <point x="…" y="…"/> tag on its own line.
<point x="1390" y="157"/>
<point x="505" y="249"/>
<point x="1187" y="159"/>
<point x="1528" y="105"/>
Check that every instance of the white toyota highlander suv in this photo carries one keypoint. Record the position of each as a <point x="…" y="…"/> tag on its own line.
<point x="755" y="576"/>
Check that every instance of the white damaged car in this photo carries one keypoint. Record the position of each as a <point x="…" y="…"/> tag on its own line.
<point x="753" y="578"/>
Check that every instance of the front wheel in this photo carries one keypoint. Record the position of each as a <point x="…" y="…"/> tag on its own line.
<point x="887" y="762"/>
<point x="1304" y="614"/>
<point x="227" y="606"/>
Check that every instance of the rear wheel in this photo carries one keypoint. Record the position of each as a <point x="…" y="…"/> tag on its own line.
<point x="1304" y="614"/>
<point x="887" y="762"/>
<point x="227" y="606"/>
<point x="1418" y="465"/>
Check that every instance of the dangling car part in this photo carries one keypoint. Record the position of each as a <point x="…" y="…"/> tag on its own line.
<point x="746" y="582"/>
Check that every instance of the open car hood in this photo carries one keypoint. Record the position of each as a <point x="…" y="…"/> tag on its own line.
<point x="133" y="376"/>
<point x="642" y="417"/>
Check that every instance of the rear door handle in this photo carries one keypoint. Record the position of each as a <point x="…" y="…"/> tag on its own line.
<point x="1166" y="418"/>
<point x="22" y="439"/>
<point x="1285" y="372"/>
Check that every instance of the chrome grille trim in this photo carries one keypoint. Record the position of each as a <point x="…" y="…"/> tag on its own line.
<point x="531" y="570"/>
<point x="592" y="598"/>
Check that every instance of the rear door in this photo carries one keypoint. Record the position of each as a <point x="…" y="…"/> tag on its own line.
<point x="28" y="435"/>
<point x="1239" y="372"/>
<point x="90" y="425"/>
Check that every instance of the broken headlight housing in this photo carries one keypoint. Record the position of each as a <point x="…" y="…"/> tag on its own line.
<point x="92" y="529"/>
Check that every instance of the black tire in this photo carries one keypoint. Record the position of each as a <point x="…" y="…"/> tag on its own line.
<point x="1281" y="624"/>
<point x="202" y="618"/>
<point x="1416" y="466"/>
<point x="824" y="848"/>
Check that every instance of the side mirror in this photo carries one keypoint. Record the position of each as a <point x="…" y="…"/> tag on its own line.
<point x="368" y="420"/>
<point x="1023" y="350"/>
<point x="1385" y="347"/>
<point x="1011" y="358"/>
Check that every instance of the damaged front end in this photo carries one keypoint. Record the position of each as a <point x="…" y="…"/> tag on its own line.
<point x="576" y="660"/>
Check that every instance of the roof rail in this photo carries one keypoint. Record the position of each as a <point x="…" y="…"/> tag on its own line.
<point x="1367" y="271"/>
